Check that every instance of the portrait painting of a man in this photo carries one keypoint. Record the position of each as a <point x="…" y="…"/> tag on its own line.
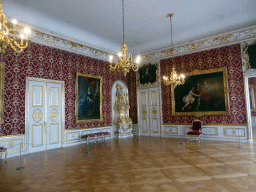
<point x="204" y="92"/>
<point x="148" y="74"/>
<point x="88" y="98"/>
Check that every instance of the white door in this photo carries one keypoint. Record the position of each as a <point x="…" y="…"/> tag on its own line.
<point x="143" y="112"/>
<point x="154" y="114"/>
<point x="149" y="112"/>
<point x="37" y="114"/>
<point x="53" y="116"/>
<point x="44" y="109"/>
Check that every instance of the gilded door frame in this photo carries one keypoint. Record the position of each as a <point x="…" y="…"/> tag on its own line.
<point x="28" y="79"/>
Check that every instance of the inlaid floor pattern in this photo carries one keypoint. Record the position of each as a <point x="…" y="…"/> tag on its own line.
<point x="135" y="164"/>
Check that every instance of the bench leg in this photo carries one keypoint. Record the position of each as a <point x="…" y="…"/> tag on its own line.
<point x="88" y="144"/>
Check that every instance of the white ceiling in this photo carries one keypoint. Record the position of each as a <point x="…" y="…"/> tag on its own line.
<point x="99" y="22"/>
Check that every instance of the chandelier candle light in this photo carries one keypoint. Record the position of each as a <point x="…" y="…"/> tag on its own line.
<point x="174" y="79"/>
<point x="6" y="40"/>
<point x="124" y="62"/>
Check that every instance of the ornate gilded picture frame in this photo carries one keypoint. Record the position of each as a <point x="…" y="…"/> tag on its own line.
<point x="148" y="74"/>
<point x="252" y="97"/>
<point x="88" y="98"/>
<point x="204" y="93"/>
<point x="2" y="68"/>
<point x="249" y="55"/>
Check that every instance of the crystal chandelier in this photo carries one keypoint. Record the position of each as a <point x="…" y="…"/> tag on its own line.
<point x="174" y="79"/>
<point x="124" y="62"/>
<point x="6" y="40"/>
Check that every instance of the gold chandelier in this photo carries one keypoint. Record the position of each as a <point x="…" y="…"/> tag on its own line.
<point x="6" y="40"/>
<point x="174" y="79"/>
<point x="124" y="62"/>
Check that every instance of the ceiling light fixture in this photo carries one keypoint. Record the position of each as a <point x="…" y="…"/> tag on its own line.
<point x="124" y="62"/>
<point x="6" y="40"/>
<point x="174" y="79"/>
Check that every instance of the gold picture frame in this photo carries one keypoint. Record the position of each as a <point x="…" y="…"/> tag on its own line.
<point x="246" y="56"/>
<point x="150" y="77"/>
<point x="88" y="98"/>
<point x="203" y="93"/>
<point x="252" y="98"/>
<point x="2" y="68"/>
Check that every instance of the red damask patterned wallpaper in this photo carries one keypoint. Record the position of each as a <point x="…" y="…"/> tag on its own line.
<point x="131" y="83"/>
<point x="50" y="63"/>
<point x="230" y="57"/>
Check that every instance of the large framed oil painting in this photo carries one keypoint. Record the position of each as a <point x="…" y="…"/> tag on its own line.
<point x="148" y="74"/>
<point x="249" y="55"/>
<point x="252" y="97"/>
<point x="88" y="98"/>
<point x="203" y="93"/>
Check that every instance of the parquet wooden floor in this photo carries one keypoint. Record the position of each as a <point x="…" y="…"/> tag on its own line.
<point x="133" y="164"/>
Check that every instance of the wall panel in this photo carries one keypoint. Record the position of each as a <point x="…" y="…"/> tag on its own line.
<point x="230" y="57"/>
<point x="41" y="61"/>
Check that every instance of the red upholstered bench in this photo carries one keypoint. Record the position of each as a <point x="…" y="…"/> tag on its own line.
<point x="96" y="136"/>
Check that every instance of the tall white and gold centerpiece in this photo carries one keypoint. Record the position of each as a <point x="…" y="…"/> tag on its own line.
<point x="122" y="121"/>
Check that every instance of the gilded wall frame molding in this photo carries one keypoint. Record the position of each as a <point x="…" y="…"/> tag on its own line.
<point x="148" y="83"/>
<point x="79" y="102"/>
<point x="202" y="113"/>
<point x="2" y="69"/>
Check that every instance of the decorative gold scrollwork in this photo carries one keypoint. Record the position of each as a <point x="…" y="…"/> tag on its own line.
<point x="37" y="115"/>
<point x="143" y="112"/>
<point x="54" y="115"/>
<point x="154" y="112"/>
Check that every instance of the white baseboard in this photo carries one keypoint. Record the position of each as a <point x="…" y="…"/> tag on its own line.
<point x="71" y="138"/>
<point x="214" y="133"/>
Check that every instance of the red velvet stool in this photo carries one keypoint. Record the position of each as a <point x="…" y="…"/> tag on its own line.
<point x="195" y="130"/>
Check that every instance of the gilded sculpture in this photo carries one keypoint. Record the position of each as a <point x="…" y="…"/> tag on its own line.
<point x="122" y="121"/>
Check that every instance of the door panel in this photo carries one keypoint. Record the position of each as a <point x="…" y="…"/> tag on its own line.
<point x="54" y="133"/>
<point x="144" y="125"/>
<point x="149" y="112"/>
<point x="53" y="115"/>
<point x="154" y="112"/>
<point x="44" y="121"/>
<point x="37" y="135"/>
<point x="154" y="123"/>
<point x="37" y="138"/>
<point x="143" y="112"/>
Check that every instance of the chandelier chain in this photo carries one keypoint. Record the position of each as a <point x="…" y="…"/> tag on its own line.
<point x="123" y="17"/>
<point x="171" y="30"/>
<point x="173" y="79"/>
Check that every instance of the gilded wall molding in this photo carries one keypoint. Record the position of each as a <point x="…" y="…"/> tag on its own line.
<point x="224" y="39"/>
<point x="52" y="39"/>
<point x="49" y="38"/>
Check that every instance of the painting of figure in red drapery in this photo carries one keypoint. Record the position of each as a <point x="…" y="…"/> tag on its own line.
<point x="203" y="92"/>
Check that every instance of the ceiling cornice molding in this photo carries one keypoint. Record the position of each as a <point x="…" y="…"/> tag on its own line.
<point x="224" y="39"/>
<point x="52" y="39"/>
